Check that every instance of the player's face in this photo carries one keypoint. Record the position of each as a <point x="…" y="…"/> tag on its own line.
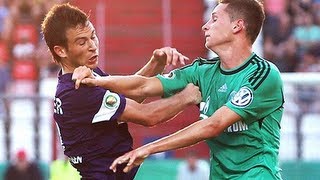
<point x="218" y="30"/>
<point x="83" y="46"/>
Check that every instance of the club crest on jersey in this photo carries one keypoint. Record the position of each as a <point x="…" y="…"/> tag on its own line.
<point x="111" y="101"/>
<point x="243" y="97"/>
<point x="171" y="75"/>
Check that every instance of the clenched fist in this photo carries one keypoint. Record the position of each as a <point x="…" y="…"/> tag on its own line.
<point x="192" y="94"/>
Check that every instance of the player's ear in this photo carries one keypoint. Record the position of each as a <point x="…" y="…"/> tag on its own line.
<point x="237" y="25"/>
<point x="60" y="51"/>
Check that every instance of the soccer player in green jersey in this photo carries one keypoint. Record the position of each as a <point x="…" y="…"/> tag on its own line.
<point x="242" y="103"/>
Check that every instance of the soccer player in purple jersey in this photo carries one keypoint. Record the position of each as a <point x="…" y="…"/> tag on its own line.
<point x="242" y="105"/>
<point x="92" y="120"/>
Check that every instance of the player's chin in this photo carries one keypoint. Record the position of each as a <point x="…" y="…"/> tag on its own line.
<point x="92" y="65"/>
<point x="207" y="45"/>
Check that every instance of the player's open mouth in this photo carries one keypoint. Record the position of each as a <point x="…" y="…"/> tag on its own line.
<point x="93" y="58"/>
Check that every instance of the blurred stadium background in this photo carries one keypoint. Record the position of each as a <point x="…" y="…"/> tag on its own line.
<point x="128" y="32"/>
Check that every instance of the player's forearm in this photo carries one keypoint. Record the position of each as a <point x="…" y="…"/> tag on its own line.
<point x="165" y="109"/>
<point x="188" y="136"/>
<point x="154" y="112"/>
<point x="152" y="68"/>
<point x="196" y="132"/>
<point x="131" y="86"/>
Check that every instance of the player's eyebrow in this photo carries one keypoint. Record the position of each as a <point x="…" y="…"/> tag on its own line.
<point x="214" y="14"/>
<point x="79" y="38"/>
<point x="83" y="37"/>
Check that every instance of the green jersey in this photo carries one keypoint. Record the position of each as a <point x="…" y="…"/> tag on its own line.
<point x="249" y="148"/>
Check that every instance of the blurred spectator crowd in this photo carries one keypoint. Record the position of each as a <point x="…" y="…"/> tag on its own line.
<point x="24" y="58"/>
<point x="292" y="34"/>
<point x="291" y="37"/>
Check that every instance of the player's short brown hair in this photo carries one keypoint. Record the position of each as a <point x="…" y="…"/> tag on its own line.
<point x="57" y="21"/>
<point x="251" y="11"/>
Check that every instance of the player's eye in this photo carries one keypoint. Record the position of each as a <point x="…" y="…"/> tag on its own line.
<point x="81" y="42"/>
<point x="214" y="19"/>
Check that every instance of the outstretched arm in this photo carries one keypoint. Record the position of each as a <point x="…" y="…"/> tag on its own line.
<point x="160" y="58"/>
<point x="132" y="86"/>
<point x="193" y="134"/>
<point x="161" y="110"/>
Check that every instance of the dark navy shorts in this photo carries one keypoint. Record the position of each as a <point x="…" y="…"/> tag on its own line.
<point x="119" y="175"/>
<point x="98" y="169"/>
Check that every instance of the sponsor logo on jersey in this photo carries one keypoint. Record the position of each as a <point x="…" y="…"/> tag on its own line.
<point x="111" y="101"/>
<point x="223" y="88"/>
<point x="171" y="75"/>
<point x="243" y="97"/>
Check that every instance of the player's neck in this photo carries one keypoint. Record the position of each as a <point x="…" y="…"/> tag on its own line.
<point x="66" y="69"/>
<point x="235" y="57"/>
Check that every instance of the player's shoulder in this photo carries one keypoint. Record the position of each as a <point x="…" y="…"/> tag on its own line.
<point x="66" y="90"/>
<point x="263" y="71"/>
<point x="199" y="61"/>
<point x="261" y="64"/>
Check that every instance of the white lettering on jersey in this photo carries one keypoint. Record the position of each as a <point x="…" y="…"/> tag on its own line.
<point x="76" y="160"/>
<point x="57" y="103"/>
<point x="108" y="108"/>
<point x="237" y="127"/>
<point x="243" y="97"/>
<point x="204" y="106"/>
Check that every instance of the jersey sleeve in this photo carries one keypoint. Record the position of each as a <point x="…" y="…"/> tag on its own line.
<point x="259" y="95"/>
<point x="92" y="105"/>
<point x="178" y="79"/>
<point x="111" y="107"/>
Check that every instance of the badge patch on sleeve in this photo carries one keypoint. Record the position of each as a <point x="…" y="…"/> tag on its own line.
<point x="108" y="107"/>
<point x="243" y="97"/>
<point x="111" y="100"/>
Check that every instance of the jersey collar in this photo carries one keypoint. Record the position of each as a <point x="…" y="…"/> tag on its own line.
<point x="239" y="68"/>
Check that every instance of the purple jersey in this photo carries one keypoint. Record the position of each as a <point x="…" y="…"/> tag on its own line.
<point x="87" y="122"/>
